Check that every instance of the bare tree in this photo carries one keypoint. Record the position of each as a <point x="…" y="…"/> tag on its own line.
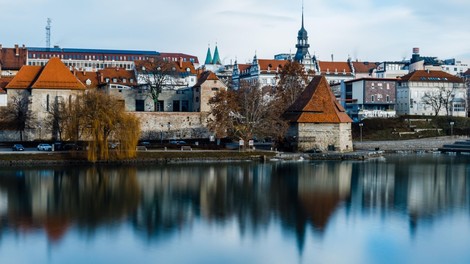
<point x="246" y="113"/>
<point x="156" y="74"/>
<point x="56" y="119"/>
<point x="292" y="82"/>
<point x="438" y="99"/>
<point x="16" y="116"/>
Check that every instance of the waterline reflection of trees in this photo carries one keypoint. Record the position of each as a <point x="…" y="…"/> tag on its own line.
<point x="159" y="201"/>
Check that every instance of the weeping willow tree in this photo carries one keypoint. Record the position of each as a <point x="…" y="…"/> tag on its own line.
<point x="99" y="117"/>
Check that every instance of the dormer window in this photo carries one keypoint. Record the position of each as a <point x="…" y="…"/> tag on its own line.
<point x="107" y="80"/>
<point x="114" y="80"/>
<point x="124" y="80"/>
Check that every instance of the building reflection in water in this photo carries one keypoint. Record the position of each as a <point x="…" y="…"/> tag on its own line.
<point x="162" y="200"/>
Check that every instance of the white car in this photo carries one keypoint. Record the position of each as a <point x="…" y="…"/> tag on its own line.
<point x="45" y="147"/>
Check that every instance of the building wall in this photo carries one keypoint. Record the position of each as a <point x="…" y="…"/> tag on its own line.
<point x="207" y="90"/>
<point x="164" y="126"/>
<point x="410" y="94"/>
<point x="319" y="136"/>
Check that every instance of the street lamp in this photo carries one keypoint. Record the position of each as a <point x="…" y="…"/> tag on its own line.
<point x="360" y="128"/>
<point x="451" y="129"/>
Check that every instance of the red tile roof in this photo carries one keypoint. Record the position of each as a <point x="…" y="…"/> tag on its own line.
<point x="335" y="66"/>
<point x="317" y="104"/>
<point x="431" y="76"/>
<point x="4" y="81"/>
<point x="9" y="60"/>
<point x="25" y="77"/>
<point x="181" y="66"/>
<point x="84" y="76"/>
<point x="364" y="67"/>
<point x="55" y="75"/>
<point x="206" y="76"/>
<point x="243" y="67"/>
<point x="271" y="65"/>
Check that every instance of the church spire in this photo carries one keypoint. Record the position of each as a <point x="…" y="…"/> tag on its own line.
<point x="208" y="56"/>
<point x="216" y="59"/>
<point x="302" y="41"/>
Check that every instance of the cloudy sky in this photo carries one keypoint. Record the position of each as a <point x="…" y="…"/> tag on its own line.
<point x="368" y="30"/>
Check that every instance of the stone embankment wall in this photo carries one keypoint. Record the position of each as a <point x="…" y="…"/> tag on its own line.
<point x="411" y="145"/>
<point x="154" y="126"/>
<point x="173" y="125"/>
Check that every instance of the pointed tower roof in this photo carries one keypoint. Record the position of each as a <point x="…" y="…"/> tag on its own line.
<point x="216" y="59"/>
<point x="208" y="56"/>
<point x="317" y="104"/>
<point x="56" y="75"/>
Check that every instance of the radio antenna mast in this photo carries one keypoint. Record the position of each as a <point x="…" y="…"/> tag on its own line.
<point x="48" y="33"/>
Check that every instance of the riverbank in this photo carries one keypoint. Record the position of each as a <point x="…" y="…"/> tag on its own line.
<point x="362" y="150"/>
<point x="143" y="157"/>
<point x="410" y="145"/>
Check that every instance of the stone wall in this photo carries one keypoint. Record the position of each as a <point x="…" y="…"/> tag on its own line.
<point x="172" y="125"/>
<point x="318" y="136"/>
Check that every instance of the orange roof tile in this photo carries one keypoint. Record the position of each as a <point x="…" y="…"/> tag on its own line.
<point x="272" y="65"/>
<point x="84" y="76"/>
<point x="56" y="75"/>
<point x="431" y="76"/>
<point x="243" y="67"/>
<point x="181" y="66"/>
<point x="364" y="67"/>
<point x="4" y="81"/>
<point x="317" y="104"/>
<point x="24" y="78"/>
<point x="334" y="66"/>
<point x="206" y="76"/>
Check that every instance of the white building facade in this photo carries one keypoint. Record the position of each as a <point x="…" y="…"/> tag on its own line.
<point x="413" y="87"/>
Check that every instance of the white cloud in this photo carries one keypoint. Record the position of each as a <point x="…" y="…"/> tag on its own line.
<point x="366" y="29"/>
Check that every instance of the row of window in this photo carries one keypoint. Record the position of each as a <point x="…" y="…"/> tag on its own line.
<point x="91" y="64"/>
<point x="175" y="106"/>
<point x="86" y="57"/>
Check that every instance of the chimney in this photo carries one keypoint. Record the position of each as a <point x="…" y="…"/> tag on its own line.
<point x="17" y="52"/>
<point x="0" y="46"/>
<point x="24" y="47"/>
<point x="181" y="63"/>
<point x="101" y="78"/>
<point x="84" y="72"/>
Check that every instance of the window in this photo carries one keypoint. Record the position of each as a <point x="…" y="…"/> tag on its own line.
<point x="184" y="106"/>
<point x="197" y="99"/>
<point x="373" y="98"/>
<point x="160" y="106"/>
<point x="215" y="89"/>
<point x="388" y="98"/>
<point x="176" y="106"/>
<point x="139" y="105"/>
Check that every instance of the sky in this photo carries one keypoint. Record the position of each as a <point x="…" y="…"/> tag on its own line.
<point x="365" y="30"/>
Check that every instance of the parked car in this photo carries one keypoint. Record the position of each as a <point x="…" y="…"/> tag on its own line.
<point x="178" y="142"/>
<point x="45" y="147"/>
<point x="18" y="147"/>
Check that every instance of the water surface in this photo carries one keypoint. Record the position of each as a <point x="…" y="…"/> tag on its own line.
<point x="401" y="209"/>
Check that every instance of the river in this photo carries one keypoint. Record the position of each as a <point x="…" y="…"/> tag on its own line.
<point x="397" y="209"/>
